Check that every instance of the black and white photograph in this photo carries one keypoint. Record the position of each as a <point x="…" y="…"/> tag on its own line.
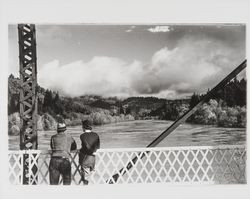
<point x="105" y="104"/>
<point x="124" y="99"/>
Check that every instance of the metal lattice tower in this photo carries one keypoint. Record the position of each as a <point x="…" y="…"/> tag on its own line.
<point x="28" y="92"/>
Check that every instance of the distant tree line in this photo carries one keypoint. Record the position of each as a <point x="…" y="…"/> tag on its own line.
<point x="233" y="94"/>
<point x="227" y="108"/>
<point x="73" y="110"/>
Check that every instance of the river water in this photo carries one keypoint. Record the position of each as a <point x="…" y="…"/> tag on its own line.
<point x="140" y="133"/>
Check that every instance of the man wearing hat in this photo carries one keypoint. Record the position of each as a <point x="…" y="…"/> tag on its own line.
<point x="90" y="143"/>
<point x="61" y="145"/>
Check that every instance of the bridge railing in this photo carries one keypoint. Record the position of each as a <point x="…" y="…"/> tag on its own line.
<point x="181" y="165"/>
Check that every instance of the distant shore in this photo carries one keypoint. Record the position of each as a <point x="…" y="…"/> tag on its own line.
<point x="209" y="114"/>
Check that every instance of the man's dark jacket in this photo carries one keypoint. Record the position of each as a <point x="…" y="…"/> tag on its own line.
<point x="90" y="142"/>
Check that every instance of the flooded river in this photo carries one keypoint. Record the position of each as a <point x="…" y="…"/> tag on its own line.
<point x="140" y="133"/>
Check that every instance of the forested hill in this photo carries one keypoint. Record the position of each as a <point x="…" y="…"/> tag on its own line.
<point x="226" y="108"/>
<point x="52" y="103"/>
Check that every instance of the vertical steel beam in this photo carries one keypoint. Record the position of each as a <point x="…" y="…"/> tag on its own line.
<point x="28" y="93"/>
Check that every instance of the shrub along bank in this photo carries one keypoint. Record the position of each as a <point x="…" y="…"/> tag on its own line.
<point x="48" y="122"/>
<point x="216" y="114"/>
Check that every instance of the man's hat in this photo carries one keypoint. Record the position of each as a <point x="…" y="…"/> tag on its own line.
<point x="86" y="124"/>
<point x="61" y="127"/>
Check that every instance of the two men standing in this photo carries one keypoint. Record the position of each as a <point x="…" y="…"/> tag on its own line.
<point x="61" y="145"/>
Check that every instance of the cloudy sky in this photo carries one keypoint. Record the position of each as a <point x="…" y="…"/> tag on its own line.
<point x="169" y="61"/>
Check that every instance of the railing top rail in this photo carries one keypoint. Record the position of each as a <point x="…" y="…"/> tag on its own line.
<point x="140" y="149"/>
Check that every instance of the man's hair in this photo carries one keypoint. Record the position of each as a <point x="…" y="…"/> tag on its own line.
<point x="86" y="124"/>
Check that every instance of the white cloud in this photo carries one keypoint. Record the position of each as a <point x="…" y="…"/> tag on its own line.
<point x="193" y="66"/>
<point x="102" y="76"/>
<point x="130" y="29"/>
<point x="159" y="29"/>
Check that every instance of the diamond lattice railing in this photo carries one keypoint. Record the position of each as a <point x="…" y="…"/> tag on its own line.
<point x="217" y="165"/>
<point x="15" y="168"/>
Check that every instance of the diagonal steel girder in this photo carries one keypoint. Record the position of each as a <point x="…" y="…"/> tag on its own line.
<point x="179" y="121"/>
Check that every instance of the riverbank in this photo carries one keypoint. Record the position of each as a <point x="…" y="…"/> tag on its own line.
<point x="210" y="113"/>
<point x="47" y="122"/>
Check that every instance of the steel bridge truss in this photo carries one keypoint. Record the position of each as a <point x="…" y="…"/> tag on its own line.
<point x="28" y="77"/>
<point x="28" y="93"/>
